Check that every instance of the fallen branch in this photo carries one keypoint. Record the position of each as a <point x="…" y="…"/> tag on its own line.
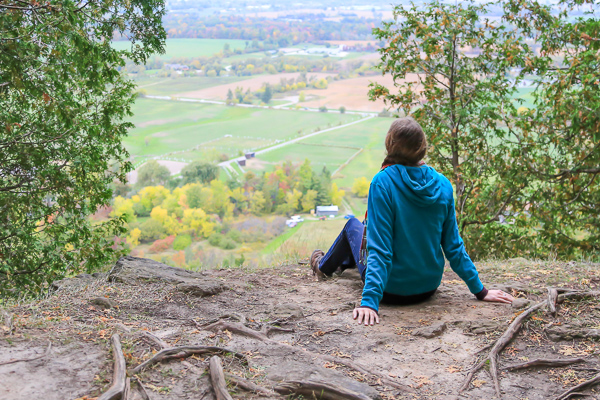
<point x="584" y="385"/>
<point x="184" y="352"/>
<point x="118" y="387"/>
<point x="318" y="390"/>
<point x="245" y="331"/>
<point x="217" y="379"/>
<point x="250" y="386"/>
<point x="552" y="299"/>
<point x="509" y="334"/>
<point x="543" y="362"/>
<point x="16" y="360"/>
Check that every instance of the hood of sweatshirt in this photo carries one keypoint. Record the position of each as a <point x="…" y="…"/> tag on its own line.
<point x="421" y="185"/>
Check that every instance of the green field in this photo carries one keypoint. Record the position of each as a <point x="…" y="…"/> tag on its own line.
<point x="190" y="48"/>
<point x="332" y="149"/>
<point x="164" y="127"/>
<point x="160" y="86"/>
<point x="331" y="157"/>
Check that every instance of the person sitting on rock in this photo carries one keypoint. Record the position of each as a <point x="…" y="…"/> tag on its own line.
<point x="411" y="219"/>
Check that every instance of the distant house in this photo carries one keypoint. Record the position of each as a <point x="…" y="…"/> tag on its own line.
<point x="241" y="163"/>
<point x="250" y="155"/>
<point x="327" y="210"/>
<point x="177" y="67"/>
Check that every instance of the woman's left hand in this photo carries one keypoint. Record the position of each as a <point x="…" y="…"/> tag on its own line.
<point x="498" y="296"/>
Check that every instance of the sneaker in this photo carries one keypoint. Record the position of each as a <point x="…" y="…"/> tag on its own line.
<point x="315" y="260"/>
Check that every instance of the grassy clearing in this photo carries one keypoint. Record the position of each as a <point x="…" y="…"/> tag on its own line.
<point x="276" y="243"/>
<point x="309" y="235"/>
<point x="190" y="48"/>
<point x="165" y="126"/>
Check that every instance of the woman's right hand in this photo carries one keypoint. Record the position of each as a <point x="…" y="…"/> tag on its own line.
<point x="498" y="296"/>
<point x="365" y="314"/>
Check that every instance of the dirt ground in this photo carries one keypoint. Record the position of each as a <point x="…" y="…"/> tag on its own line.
<point x="428" y="347"/>
<point x="351" y="93"/>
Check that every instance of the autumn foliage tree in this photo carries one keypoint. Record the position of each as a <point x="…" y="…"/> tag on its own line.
<point x="458" y="74"/>
<point x="63" y="105"/>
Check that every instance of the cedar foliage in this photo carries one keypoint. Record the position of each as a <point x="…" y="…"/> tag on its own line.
<point x="63" y="103"/>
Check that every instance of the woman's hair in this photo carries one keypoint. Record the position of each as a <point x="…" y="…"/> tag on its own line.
<point x="405" y="143"/>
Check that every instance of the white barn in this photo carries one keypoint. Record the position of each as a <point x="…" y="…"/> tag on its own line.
<point x="327" y="210"/>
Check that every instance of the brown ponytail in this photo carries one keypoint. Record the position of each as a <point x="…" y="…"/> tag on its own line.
<point x="405" y="143"/>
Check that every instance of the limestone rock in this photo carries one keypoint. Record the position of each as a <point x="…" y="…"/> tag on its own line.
<point x="558" y="333"/>
<point x="480" y="327"/>
<point x="134" y="270"/>
<point x="201" y="289"/>
<point x="290" y="370"/>
<point x="430" y="331"/>
<point x="78" y="281"/>
<point x="103" y="302"/>
<point x="518" y="304"/>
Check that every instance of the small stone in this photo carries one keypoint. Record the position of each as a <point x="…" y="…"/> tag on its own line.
<point x="288" y="310"/>
<point x="430" y="331"/>
<point x="518" y="304"/>
<point x="103" y="302"/>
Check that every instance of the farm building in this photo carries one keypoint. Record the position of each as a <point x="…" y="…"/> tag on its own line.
<point x="327" y="210"/>
<point x="241" y="163"/>
<point x="250" y="155"/>
<point x="177" y="67"/>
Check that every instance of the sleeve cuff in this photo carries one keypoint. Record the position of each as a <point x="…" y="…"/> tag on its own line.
<point x="370" y="308"/>
<point x="481" y="295"/>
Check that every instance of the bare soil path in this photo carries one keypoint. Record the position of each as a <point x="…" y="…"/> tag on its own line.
<point x="287" y="327"/>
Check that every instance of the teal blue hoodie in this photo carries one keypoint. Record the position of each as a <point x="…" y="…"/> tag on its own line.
<point x="411" y="219"/>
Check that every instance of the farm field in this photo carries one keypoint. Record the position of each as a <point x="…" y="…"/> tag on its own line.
<point x="190" y="48"/>
<point x="332" y="149"/>
<point x="164" y="127"/>
<point x="254" y="83"/>
<point x="319" y="156"/>
<point x="161" y="86"/>
<point x="350" y="93"/>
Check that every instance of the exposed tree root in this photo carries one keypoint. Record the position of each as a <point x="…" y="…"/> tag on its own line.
<point x="318" y="390"/>
<point x="184" y="352"/>
<point x="7" y="319"/>
<point x="158" y="342"/>
<point x="584" y="385"/>
<point x="245" y="331"/>
<point x="141" y="389"/>
<point x="119" y="384"/>
<point x="249" y="386"/>
<point x="508" y="335"/>
<point x="16" y="360"/>
<point x="544" y="362"/>
<point x="552" y="299"/>
<point x="217" y="379"/>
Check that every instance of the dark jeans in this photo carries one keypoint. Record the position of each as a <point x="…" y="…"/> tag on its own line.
<point x="344" y="254"/>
